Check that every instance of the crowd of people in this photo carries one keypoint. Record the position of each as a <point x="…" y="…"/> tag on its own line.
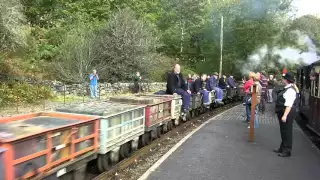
<point x="196" y="84"/>
<point x="264" y="90"/>
<point x="285" y="103"/>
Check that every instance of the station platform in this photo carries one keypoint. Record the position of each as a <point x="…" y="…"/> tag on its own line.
<point x="220" y="151"/>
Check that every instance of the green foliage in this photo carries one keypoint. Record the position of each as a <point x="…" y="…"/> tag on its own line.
<point x="162" y="66"/>
<point x="22" y="93"/>
<point x="77" y="56"/>
<point x="66" y="39"/>
<point x="13" y="32"/>
<point x="125" y="45"/>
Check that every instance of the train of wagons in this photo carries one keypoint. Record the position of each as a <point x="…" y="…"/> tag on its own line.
<point x="309" y="103"/>
<point x="61" y="144"/>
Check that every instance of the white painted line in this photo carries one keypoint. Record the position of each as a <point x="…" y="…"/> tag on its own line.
<point x="175" y="147"/>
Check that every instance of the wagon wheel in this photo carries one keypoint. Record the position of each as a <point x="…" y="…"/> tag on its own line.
<point x="159" y="131"/>
<point x="196" y="112"/>
<point x="147" y="138"/>
<point x="153" y="134"/>
<point x="182" y="119"/>
<point x="192" y="113"/>
<point x="173" y="124"/>
<point x="188" y="116"/>
<point x="211" y="107"/>
<point x="131" y="149"/>
<point x="124" y="150"/>
<point x="164" y="128"/>
<point x="103" y="162"/>
<point x="142" y="141"/>
<point x="80" y="173"/>
<point x="169" y="126"/>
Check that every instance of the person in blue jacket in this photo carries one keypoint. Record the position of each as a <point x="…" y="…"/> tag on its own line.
<point x="231" y="82"/>
<point x="200" y="88"/>
<point x="93" y="84"/>
<point x="214" y="85"/>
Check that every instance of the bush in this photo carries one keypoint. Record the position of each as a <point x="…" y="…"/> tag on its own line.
<point x="23" y="93"/>
<point x="163" y="65"/>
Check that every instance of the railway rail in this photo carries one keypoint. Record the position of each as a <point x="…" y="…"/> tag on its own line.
<point x="146" y="151"/>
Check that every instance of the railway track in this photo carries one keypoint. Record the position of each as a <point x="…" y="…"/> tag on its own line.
<point x="155" y="145"/>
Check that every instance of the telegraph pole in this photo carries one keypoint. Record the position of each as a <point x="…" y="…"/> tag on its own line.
<point x="221" y="46"/>
<point x="221" y="41"/>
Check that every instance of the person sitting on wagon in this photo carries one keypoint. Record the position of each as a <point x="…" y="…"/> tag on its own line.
<point x="190" y="82"/>
<point x="231" y="82"/>
<point x="213" y="85"/>
<point x="200" y="88"/>
<point x="222" y="82"/>
<point x="176" y="84"/>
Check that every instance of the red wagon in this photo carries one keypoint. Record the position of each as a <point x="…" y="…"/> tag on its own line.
<point x="47" y="144"/>
<point x="157" y="114"/>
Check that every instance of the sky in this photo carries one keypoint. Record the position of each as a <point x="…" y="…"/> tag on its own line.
<point x="307" y="7"/>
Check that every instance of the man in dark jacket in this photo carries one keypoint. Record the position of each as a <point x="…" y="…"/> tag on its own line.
<point x="200" y="88"/>
<point x="137" y="82"/>
<point x="222" y="82"/>
<point x="176" y="84"/>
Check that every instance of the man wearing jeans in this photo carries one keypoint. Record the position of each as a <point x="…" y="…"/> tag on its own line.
<point x="176" y="84"/>
<point x="270" y="87"/>
<point x="93" y="84"/>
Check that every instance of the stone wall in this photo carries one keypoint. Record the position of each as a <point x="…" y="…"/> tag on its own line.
<point x="59" y="88"/>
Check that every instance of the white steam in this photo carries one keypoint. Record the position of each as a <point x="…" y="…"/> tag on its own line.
<point x="261" y="58"/>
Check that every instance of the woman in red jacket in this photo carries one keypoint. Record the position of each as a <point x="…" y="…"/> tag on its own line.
<point x="246" y="90"/>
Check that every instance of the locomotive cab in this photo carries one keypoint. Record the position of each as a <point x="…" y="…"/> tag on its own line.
<point x="308" y="82"/>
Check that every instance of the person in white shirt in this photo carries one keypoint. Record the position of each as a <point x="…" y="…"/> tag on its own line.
<point x="285" y="110"/>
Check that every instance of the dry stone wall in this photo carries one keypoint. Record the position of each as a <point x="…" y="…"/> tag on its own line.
<point x="59" y="88"/>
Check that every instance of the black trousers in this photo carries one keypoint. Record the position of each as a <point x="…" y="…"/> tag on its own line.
<point x="286" y="130"/>
<point x="263" y="102"/>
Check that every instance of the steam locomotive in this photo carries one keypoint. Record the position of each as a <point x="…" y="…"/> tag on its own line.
<point x="309" y="103"/>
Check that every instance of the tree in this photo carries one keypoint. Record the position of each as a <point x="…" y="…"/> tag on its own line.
<point x="13" y="30"/>
<point x="248" y="25"/>
<point x="77" y="56"/>
<point x="125" y="45"/>
<point x="179" y="21"/>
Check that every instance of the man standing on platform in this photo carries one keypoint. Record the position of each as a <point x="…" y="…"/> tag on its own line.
<point x="93" y="84"/>
<point x="264" y="83"/>
<point x="271" y="84"/>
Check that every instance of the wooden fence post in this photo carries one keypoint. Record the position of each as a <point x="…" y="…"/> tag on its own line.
<point x="253" y="112"/>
